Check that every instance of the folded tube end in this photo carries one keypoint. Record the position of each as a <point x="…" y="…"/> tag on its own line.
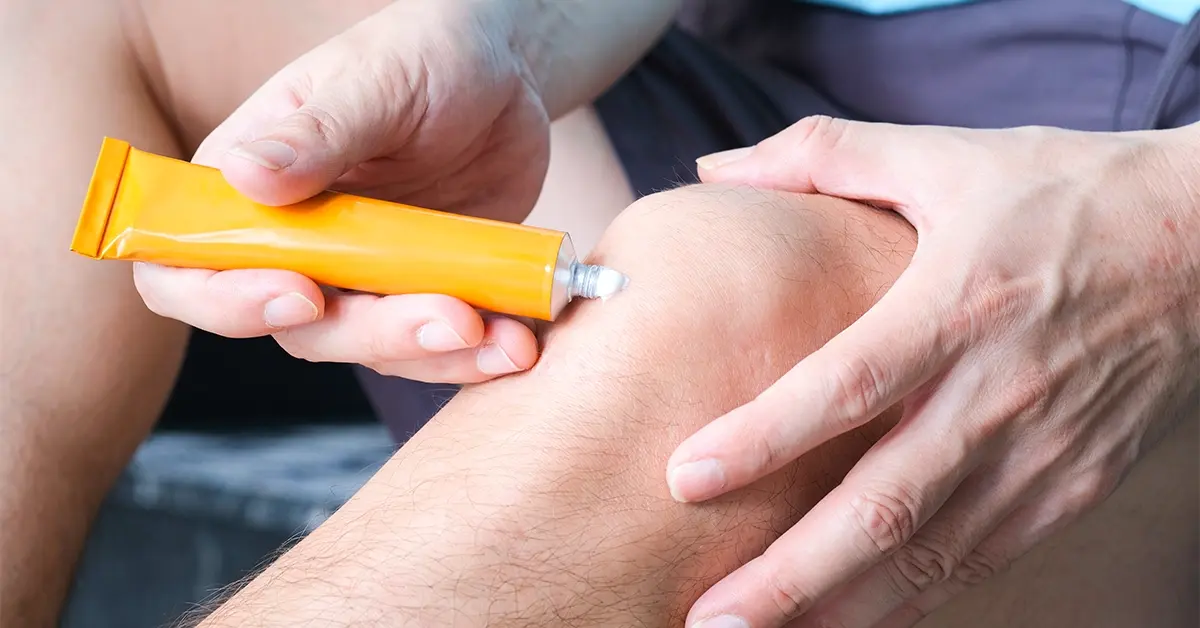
<point x="97" y="209"/>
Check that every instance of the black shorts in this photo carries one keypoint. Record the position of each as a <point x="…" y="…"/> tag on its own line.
<point x="1079" y="64"/>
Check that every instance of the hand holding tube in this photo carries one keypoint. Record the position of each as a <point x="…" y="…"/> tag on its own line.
<point x="149" y="208"/>
<point x="428" y="103"/>
<point x="443" y="104"/>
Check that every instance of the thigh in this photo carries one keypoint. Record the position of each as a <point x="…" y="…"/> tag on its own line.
<point x="201" y="59"/>
<point x="67" y="79"/>
<point x="84" y="367"/>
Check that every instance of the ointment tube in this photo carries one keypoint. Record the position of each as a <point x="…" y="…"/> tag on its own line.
<point x="146" y="207"/>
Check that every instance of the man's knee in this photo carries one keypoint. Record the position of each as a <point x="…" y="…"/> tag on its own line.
<point x="729" y="289"/>
<point x="721" y="272"/>
<point x="561" y="469"/>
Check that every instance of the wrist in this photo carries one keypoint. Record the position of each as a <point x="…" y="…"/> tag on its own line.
<point x="1184" y="158"/>
<point x="576" y="50"/>
<point x="1175" y="194"/>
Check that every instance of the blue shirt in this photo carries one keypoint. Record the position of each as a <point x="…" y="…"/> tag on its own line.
<point x="1175" y="10"/>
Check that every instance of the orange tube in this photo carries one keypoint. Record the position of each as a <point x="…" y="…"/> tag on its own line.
<point x="146" y="207"/>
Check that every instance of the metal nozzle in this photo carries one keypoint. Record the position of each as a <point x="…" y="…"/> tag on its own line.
<point x="591" y="281"/>
<point x="574" y="279"/>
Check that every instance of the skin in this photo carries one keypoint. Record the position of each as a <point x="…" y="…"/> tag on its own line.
<point x="537" y="499"/>
<point x="1039" y="355"/>
<point x="164" y="75"/>
<point x="465" y="528"/>
<point x="86" y="366"/>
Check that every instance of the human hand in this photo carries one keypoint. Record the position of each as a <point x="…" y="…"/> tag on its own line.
<point x="1045" y="334"/>
<point x="425" y="102"/>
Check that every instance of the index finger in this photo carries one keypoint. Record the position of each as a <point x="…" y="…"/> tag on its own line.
<point x="868" y="161"/>
<point x="232" y="303"/>
<point x="894" y="348"/>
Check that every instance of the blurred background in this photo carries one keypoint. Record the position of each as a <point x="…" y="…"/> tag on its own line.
<point x="255" y="449"/>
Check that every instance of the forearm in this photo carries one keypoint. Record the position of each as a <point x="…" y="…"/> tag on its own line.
<point x="577" y="48"/>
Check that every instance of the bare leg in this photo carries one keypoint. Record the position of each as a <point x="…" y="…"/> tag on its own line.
<point x="539" y="499"/>
<point x="84" y="367"/>
<point x="202" y="59"/>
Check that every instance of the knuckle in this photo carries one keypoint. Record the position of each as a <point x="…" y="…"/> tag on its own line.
<point x="995" y="297"/>
<point x="321" y="121"/>
<point x="1028" y="393"/>
<point x="821" y="131"/>
<point x="855" y="390"/>
<point x="917" y="566"/>
<point x="381" y="347"/>
<point x="764" y="449"/>
<point x="886" y="517"/>
<point x="1053" y="447"/>
<point x="789" y="597"/>
<point x="978" y="567"/>
<point x="1090" y="490"/>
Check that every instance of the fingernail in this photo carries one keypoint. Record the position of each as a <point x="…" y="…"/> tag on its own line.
<point x="269" y="154"/>
<point x="723" y="158"/>
<point x="696" y="480"/>
<point x="722" y="621"/>
<point x="289" y="310"/>
<point x="492" y="360"/>
<point x="439" y="337"/>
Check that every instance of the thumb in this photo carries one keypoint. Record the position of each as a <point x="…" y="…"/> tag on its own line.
<point x="324" y="114"/>
<point x="881" y="163"/>
<point x="301" y="154"/>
